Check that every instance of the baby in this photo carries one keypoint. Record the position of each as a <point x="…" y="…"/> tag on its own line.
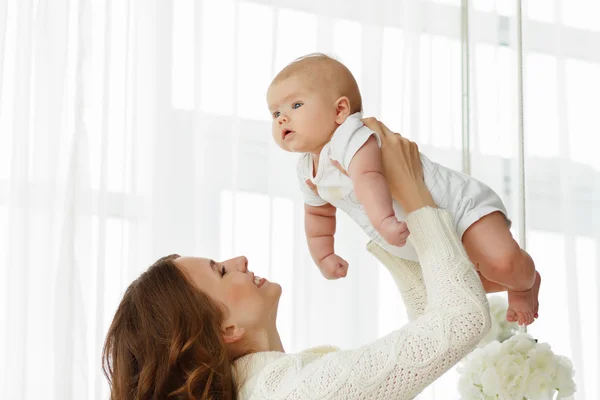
<point x="316" y="107"/>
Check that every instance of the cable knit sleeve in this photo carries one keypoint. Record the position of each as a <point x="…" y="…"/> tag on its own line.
<point x="403" y="363"/>
<point x="408" y="278"/>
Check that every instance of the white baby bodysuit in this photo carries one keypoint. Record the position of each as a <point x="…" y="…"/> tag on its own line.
<point x="465" y="197"/>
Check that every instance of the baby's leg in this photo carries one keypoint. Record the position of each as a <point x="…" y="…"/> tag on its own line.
<point x="499" y="259"/>
<point x="489" y="286"/>
<point x="494" y="287"/>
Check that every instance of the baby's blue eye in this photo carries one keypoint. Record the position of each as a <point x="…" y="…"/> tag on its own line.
<point x="276" y="114"/>
<point x="296" y="105"/>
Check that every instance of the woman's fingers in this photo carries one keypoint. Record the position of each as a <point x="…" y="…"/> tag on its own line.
<point x="392" y="139"/>
<point x="386" y="131"/>
<point x="369" y="121"/>
<point x="372" y="124"/>
<point x="381" y="130"/>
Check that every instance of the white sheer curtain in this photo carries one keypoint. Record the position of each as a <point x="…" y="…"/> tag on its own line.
<point x="561" y="60"/>
<point x="131" y="129"/>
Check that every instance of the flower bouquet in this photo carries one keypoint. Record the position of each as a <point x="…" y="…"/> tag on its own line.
<point x="516" y="367"/>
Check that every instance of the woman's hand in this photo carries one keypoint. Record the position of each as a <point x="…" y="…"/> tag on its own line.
<point x="402" y="168"/>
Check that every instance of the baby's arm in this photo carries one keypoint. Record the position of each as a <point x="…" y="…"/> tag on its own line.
<point x="370" y="186"/>
<point x="319" y="224"/>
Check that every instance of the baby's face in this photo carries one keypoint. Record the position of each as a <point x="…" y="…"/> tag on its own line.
<point x="303" y="118"/>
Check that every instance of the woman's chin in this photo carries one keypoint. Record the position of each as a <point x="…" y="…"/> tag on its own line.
<point x="273" y="292"/>
<point x="274" y="289"/>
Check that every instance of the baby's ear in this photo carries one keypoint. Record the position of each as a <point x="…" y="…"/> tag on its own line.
<point x="342" y="109"/>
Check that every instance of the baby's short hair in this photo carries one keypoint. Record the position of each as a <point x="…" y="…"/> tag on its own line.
<point x="324" y="72"/>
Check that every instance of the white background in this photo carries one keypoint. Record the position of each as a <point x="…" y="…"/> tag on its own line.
<point x="132" y="129"/>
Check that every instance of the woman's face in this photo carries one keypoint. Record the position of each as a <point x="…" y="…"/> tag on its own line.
<point x="250" y="301"/>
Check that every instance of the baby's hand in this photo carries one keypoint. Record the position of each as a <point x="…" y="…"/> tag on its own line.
<point x="333" y="267"/>
<point x="394" y="232"/>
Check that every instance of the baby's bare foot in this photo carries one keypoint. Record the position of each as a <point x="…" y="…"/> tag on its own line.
<point x="523" y="306"/>
<point x="394" y="232"/>
<point x="536" y="292"/>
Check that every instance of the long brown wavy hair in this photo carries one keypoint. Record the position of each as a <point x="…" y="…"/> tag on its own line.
<point x="165" y="341"/>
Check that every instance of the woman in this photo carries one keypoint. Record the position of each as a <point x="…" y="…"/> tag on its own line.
<point x="195" y="328"/>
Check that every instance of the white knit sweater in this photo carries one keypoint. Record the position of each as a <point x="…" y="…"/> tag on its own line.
<point x="449" y="315"/>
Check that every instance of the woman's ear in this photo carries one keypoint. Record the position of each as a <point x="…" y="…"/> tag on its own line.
<point x="233" y="333"/>
<point x="342" y="109"/>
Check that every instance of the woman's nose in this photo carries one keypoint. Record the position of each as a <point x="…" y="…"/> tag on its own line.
<point x="239" y="263"/>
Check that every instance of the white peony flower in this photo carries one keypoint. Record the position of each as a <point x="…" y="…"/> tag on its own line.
<point x="538" y="386"/>
<point x="542" y="360"/>
<point x="490" y="379"/>
<point x="518" y="368"/>
<point x="565" y="385"/>
<point x="522" y="344"/>
<point x="469" y="390"/>
<point x="513" y="374"/>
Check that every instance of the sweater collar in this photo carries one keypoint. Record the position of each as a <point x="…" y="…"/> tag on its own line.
<point x="247" y="368"/>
